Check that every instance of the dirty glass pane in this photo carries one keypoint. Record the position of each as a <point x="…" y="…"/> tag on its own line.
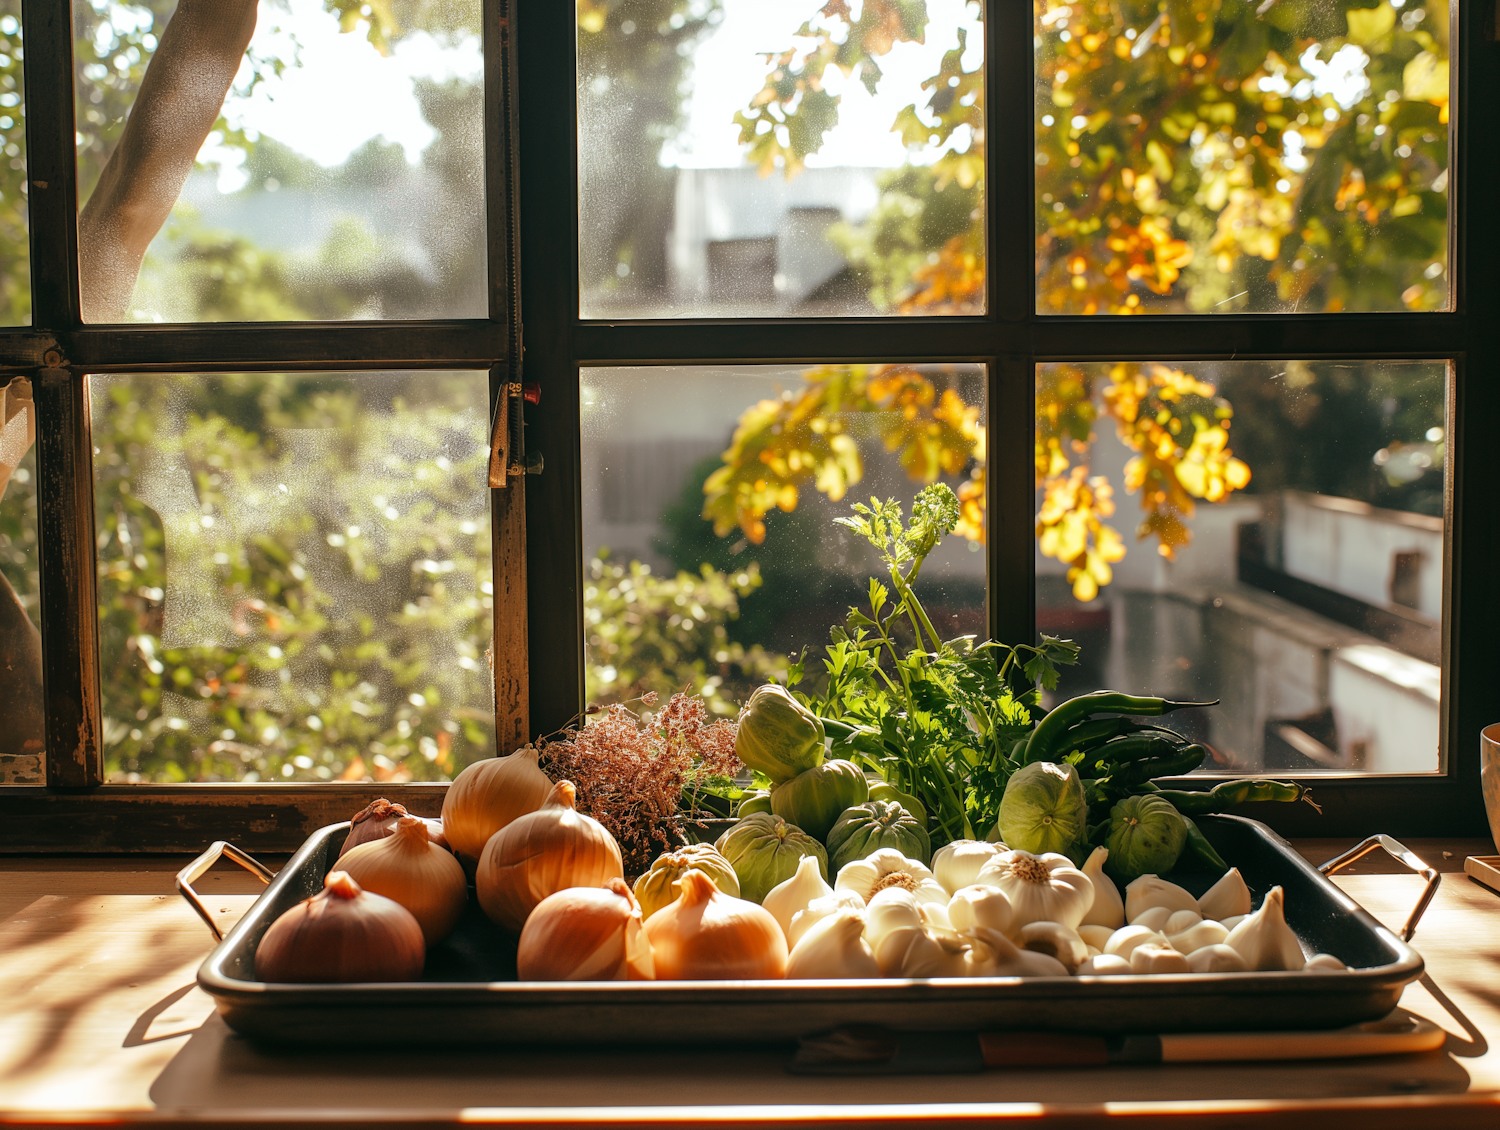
<point x="294" y="575"/>
<point x="1234" y="156"/>
<point x="709" y="499"/>
<point x="15" y="247"/>
<point x="342" y="177"/>
<point x="780" y="158"/>
<point x="21" y="724"/>
<point x="1267" y="533"/>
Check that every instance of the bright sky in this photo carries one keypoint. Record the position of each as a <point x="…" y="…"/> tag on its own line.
<point x="344" y="92"/>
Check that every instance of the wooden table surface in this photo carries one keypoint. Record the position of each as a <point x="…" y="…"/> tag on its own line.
<point x="103" y="1023"/>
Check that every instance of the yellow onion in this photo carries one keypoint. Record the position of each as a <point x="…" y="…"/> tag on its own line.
<point x="541" y="853"/>
<point x="342" y="933"/>
<point x="586" y="934"/>
<point x="411" y="869"/>
<point x="487" y="796"/>
<point x="378" y="819"/>
<point x="707" y="935"/>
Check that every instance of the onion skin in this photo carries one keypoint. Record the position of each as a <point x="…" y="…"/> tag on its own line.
<point x="487" y="796"/>
<point x="541" y="853"/>
<point x="586" y="934"/>
<point x="409" y="868"/>
<point x="708" y="936"/>
<point x="342" y="934"/>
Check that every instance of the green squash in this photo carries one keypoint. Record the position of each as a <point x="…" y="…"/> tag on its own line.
<point x="764" y="850"/>
<point x="1044" y="809"/>
<point x="1146" y="837"/>
<point x="778" y="735"/>
<point x="815" y="800"/>
<point x="884" y="790"/>
<point x="658" y="886"/>
<point x="759" y="801"/>
<point x="877" y="824"/>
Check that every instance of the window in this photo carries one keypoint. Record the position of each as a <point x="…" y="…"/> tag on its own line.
<point x="653" y="284"/>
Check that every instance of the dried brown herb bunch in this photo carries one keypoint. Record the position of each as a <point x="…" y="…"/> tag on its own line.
<point x="631" y="771"/>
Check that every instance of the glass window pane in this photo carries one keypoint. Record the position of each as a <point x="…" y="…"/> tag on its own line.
<point x="1289" y="556"/>
<point x="709" y="499"/>
<point x="342" y="176"/>
<point x="294" y="575"/>
<point x="21" y="724"/>
<point x="15" y="246"/>
<point x="1213" y="157"/>
<point x="780" y="158"/>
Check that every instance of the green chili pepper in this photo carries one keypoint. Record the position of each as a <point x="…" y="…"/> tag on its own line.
<point x="1050" y="730"/>
<point x="1229" y="793"/>
<point x="1200" y="849"/>
<point x="1180" y="760"/>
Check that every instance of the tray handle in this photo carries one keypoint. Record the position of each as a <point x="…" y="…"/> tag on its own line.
<point x="196" y="869"/>
<point x="1402" y="854"/>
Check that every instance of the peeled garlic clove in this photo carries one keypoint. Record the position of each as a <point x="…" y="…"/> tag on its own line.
<point x="975" y="906"/>
<point x="957" y="865"/>
<point x="1153" y="918"/>
<point x="1198" y="935"/>
<point x="915" y="951"/>
<point x="1228" y="898"/>
<point x="819" y="909"/>
<point x="834" y="947"/>
<point x="1264" y="939"/>
<point x="1323" y="963"/>
<point x="935" y="915"/>
<point x="1056" y="941"/>
<point x="889" y="910"/>
<point x="1234" y="920"/>
<point x="1158" y="959"/>
<point x="1108" y="909"/>
<point x="1094" y="951"/>
<point x="1104" y="965"/>
<point x="1216" y="959"/>
<point x="1096" y="937"/>
<point x="1127" y="938"/>
<point x="1149" y="891"/>
<point x="992" y="954"/>
<point x="788" y="897"/>
<point x="1180" y="921"/>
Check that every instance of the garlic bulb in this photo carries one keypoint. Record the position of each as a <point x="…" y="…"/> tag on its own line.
<point x="378" y="819"/>
<point x="886" y="868"/>
<point x="1181" y="920"/>
<point x="834" y="947"/>
<point x="1216" y="959"/>
<point x="344" y="934"/>
<point x="1041" y="888"/>
<point x="891" y="909"/>
<point x="1149" y="891"/>
<point x="1124" y="940"/>
<point x="1158" y="959"/>
<point x="819" y="909"/>
<point x="1226" y="898"/>
<point x="586" y="934"/>
<point x="1056" y="941"/>
<point x="1198" y="935"/>
<point x="917" y="951"/>
<point x="957" y="865"/>
<point x="1264" y="939"/>
<point x="541" y="853"/>
<point x="1323" y="963"/>
<point x="1104" y="965"/>
<point x="1108" y="908"/>
<point x="786" y="898"/>
<point x="1095" y="937"/>
<point x="992" y="954"/>
<point x="707" y="935"/>
<point x="411" y="869"/>
<point x="1233" y="921"/>
<point x="1154" y="918"/>
<point x="980" y="906"/>
<point x="487" y="796"/>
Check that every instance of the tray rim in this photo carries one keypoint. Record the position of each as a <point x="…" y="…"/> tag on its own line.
<point x="228" y="990"/>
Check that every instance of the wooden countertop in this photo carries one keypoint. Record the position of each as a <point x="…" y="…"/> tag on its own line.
<point x="103" y="1023"/>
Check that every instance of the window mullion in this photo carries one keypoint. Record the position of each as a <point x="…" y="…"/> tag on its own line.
<point x="1009" y="184"/>
<point x="52" y="197"/>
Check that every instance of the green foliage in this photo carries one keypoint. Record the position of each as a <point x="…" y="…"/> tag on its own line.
<point x="15" y="251"/>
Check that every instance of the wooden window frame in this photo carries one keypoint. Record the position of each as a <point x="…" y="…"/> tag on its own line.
<point x="530" y="150"/>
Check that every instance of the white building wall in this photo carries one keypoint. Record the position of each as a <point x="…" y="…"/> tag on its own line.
<point x="1386" y="706"/>
<point x="1351" y="547"/>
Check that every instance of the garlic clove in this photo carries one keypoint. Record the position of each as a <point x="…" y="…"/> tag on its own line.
<point x="1233" y="921"/>
<point x="1149" y="891"/>
<point x="1153" y="918"/>
<point x="834" y="948"/>
<point x="1323" y="963"/>
<point x="1108" y="908"/>
<point x="1227" y="898"/>
<point x="957" y="865"/>
<point x="1264" y="939"/>
<point x="915" y="951"/>
<point x="889" y="910"/>
<point x="1096" y="937"/>
<point x="1094" y="951"/>
<point x="1056" y="941"/>
<point x="1198" y="935"/>
<point x="1180" y="921"/>
<point x="819" y="909"/>
<point x="788" y="897"/>
<point x="1216" y="959"/>
<point x="1127" y="938"/>
<point x="1104" y="965"/>
<point x="1158" y="959"/>
<point x="992" y="954"/>
<point x="980" y="906"/>
<point x="935" y="915"/>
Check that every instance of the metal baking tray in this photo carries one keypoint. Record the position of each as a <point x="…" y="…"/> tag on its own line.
<point x="469" y="992"/>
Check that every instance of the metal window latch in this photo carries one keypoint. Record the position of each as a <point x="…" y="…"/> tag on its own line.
<point x="508" y="433"/>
